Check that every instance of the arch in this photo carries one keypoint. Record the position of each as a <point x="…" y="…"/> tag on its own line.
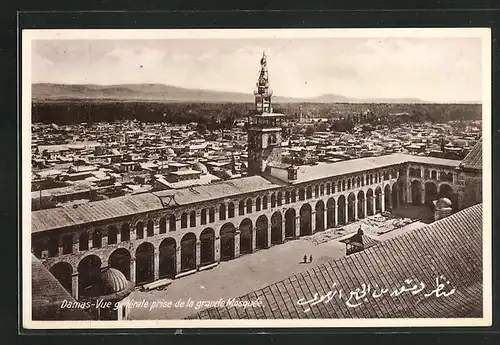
<point x="328" y="189"/>
<point x="434" y="174"/>
<point x="302" y="194"/>
<point x="320" y="215"/>
<point x="258" y="204"/>
<point x="416" y="192"/>
<point x="112" y="234"/>
<point x="120" y="260"/>
<point x="349" y="183"/>
<point x="294" y="195"/>
<point x="431" y="193"/>
<point x="264" y="202"/>
<point x="222" y="212"/>
<point x="287" y="197"/>
<point x="67" y="244"/>
<point x="139" y="230"/>
<point x="330" y="213"/>
<point x="188" y="252"/>
<point x="358" y="181"/>
<point x="369" y="202"/>
<point x="339" y="186"/>
<point x="97" y="238"/>
<point x="446" y="191"/>
<point x="150" y="228"/>
<point x="261" y="226"/>
<point x="230" y="210"/>
<point x="227" y="232"/>
<point x="207" y="246"/>
<point x="305" y="220"/>
<point x="290" y="223"/>
<point x="163" y="225"/>
<point x="89" y="275"/>
<point x="351" y="207"/>
<point x="125" y="232"/>
<point x="167" y="265"/>
<point x="83" y="241"/>
<point x="203" y="216"/>
<point x="241" y="208"/>
<point x="63" y="271"/>
<point x="309" y="192"/>
<point x="172" y="223"/>
<point x="246" y="236"/>
<point x="361" y="205"/>
<point x="342" y="217"/>
<point x="387" y="197"/>
<point x="144" y="263"/>
<point x="322" y="189"/>
<point x="316" y="191"/>
<point x="279" y="198"/>
<point x="378" y="200"/>
<point x="249" y="205"/>
<point x="53" y="246"/>
<point x="276" y="228"/>
<point x="395" y="196"/>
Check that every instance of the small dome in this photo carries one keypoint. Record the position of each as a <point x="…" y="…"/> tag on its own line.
<point x="113" y="281"/>
<point x="170" y="152"/>
<point x="200" y="167"/>
<point x="443" y="203"/>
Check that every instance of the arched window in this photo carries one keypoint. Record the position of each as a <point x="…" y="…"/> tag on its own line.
<point x="230" y="210"/>
<point x="279" y="198"/>
<point x="222" y="212"/>
<point x="257" y="204"/>
<point x="192" y="219"/>
<point x="241" y="208"/>
<point x="163" y="225"/>
<point x="150" y="228"/>
<point x="184" y="220"/>
<point x="97" y="238"/>
<point x="139" y="230"/>
<point x="203" y="216"/>
<point x="211" y="215"/>
<point x="249" y="205"/>
<point x="172" y="223"/>
<point x="83" y="241"/>
<point x="273" y="200"/>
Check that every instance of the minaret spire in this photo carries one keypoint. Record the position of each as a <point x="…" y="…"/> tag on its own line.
<point x="263" y="93"/>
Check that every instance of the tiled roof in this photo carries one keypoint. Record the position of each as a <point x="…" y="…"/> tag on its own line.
<point x="474" y="159"/>
<point x="93" y="211"/>
<point x="48" y="294"/>
<point x="216" y="190"/>
<point x="451" y="247"/>
<point x="325" y="170"/>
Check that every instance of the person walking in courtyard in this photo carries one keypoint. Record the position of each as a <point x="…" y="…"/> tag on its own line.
<point x="305" y="258"/>
<point x="310" y="258"/>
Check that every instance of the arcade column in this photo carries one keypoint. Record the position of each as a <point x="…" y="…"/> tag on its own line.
<point x="132" y="269"/>
<point x="74" y="285"/>
<point x="156" y="265"/>
<point x="237" y="236"/>
<point x="335" y="216"/>
<point x="382" y="202"/>
<point x="269" y="235"/>
<point x="373" y="204"/>
<point x="254" y="239"/>
<point x="178" y="259"/>
<point x="313" y="221"/>
<point x="198" y="254"/>
<point x="355" y="209"/>
<point x="297" y="227"/>
<point x="217" y="249"/>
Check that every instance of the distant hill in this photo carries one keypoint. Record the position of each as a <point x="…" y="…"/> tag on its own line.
<point x="167" y="93"/>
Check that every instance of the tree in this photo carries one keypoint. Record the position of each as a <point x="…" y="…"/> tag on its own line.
<point x="201" y="127"/>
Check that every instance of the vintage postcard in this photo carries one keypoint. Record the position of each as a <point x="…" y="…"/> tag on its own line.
<point x="256" y="178"/>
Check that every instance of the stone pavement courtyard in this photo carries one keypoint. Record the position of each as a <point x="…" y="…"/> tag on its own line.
<point x="253" y="271"/>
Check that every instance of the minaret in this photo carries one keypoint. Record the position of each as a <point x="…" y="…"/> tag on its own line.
<point x="264" y="131"/>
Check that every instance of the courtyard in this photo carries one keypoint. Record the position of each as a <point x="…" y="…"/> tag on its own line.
<point x="261" y="268"/>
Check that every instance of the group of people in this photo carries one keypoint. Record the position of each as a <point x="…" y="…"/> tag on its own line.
<point x="310" y="258"/>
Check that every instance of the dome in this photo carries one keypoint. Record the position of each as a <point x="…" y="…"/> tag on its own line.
<point x="443" y="203"/>
<point x="200" y="167"/>
<point x="113" y="281"/>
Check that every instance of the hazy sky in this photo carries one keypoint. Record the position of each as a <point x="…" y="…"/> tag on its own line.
<point x="432" y="69"/>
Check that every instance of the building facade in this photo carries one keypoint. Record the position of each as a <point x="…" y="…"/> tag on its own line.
<point x="169" y="234"/>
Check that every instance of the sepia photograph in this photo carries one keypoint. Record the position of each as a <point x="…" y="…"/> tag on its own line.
<point x="203" y="178"/>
